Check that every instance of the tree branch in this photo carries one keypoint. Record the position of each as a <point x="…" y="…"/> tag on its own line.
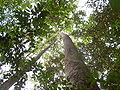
<point x="7" y="84"/>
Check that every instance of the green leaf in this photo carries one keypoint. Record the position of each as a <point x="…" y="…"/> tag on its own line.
<point x="115" y="4"/>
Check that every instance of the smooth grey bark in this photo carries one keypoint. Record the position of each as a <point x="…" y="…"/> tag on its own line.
<point x="75" y="69"/>
<point x="7" y="84"/>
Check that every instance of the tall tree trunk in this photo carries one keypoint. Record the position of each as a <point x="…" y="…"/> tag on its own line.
<point x="7" y="84"/>
<point x="75" y="69"/>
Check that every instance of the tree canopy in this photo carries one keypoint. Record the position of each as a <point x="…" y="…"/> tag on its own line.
<point x="29" y="29"/>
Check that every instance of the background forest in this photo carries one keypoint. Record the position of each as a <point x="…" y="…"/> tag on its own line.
<point x="31" y="48"/>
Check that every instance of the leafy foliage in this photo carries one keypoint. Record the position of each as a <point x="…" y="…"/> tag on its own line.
<point x="26" y="26"/>
<point x="102" y="48"/>
<point x="23" y="28"/>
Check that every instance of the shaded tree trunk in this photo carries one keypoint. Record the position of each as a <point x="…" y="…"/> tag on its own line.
<point x="7" y="84"/>
<point x="75" y="69"/>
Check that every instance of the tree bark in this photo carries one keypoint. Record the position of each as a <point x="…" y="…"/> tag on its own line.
<point x="7" y="84"/>
<point x="75" y="69"/>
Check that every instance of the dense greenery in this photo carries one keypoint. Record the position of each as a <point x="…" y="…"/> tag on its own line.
<point x="28" y="26"/>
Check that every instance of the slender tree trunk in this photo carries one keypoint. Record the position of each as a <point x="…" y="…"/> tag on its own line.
<point x="75" y="69"/>
<point x="7" y="84"/>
